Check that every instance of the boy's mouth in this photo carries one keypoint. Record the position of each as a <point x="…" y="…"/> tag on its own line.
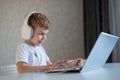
<point x="39" y="42"/>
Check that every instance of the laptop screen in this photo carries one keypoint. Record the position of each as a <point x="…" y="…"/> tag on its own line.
<point x="100" y="52"/>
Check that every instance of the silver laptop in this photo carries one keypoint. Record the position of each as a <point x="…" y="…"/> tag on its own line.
<point x="98" y="55"/>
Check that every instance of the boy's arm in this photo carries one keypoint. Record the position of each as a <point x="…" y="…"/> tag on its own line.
<point x="23" y="67"/>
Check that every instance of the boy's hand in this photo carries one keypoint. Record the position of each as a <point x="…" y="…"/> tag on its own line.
<point x="75" y="62"/>
<point x="66" y="64"/>
<point x="78" y="62"/>
<point x="58" y="65"/>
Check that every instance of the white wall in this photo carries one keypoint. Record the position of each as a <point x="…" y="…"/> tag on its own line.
<point x="65" y="39"/>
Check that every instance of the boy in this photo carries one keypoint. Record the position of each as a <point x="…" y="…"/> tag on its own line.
<point x="31" y="56"/>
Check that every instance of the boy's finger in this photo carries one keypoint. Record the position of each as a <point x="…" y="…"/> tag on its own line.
<point x="64" y="65"/>
<point x="78" y="62"/>
<point x="61" y="65"/>
<point x="61" y="61"/>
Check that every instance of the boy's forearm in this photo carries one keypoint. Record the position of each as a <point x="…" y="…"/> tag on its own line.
<point x="32" y="69"/>
<point x="25" y="69"/>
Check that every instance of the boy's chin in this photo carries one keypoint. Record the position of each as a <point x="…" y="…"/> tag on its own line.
<point x="38" y="44"/>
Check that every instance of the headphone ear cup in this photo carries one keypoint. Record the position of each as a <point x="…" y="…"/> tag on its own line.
<point x="26" y="32"/>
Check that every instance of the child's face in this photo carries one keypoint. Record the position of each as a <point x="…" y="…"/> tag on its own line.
<point x="39" y="36"/>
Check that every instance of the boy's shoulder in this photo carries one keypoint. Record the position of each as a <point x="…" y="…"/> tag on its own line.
<point x="23" y="45"/>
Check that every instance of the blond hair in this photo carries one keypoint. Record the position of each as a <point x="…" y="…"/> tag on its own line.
<point x="38" y="20"/>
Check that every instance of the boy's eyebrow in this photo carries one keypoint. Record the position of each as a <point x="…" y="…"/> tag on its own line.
<point x="42" y="33"/>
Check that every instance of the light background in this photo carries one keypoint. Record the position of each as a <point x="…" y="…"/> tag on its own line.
<point x="65" y="39"/>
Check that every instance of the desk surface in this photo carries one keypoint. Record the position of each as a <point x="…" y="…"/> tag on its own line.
<point x="108" y="72"/>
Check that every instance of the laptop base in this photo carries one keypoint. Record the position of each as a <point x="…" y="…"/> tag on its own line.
<point x="66" y="70"/>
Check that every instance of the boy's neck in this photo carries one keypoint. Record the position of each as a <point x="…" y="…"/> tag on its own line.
<point x="29" y="42"/>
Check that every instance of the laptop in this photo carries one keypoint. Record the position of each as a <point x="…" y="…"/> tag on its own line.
<point x="98" y="55"/>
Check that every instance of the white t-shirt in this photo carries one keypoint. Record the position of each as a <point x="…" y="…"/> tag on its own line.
<point x="33" y="56"/>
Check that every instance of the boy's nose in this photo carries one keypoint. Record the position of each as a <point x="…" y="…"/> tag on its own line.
<point x="44" y="38"/>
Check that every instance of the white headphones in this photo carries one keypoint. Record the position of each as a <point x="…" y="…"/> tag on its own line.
<point x="27" y="31"/>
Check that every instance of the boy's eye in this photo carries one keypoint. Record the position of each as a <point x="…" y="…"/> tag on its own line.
<point x="41" y="33"/>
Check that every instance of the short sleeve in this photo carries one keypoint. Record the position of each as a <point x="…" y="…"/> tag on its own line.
<point x="22" y="54"/>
